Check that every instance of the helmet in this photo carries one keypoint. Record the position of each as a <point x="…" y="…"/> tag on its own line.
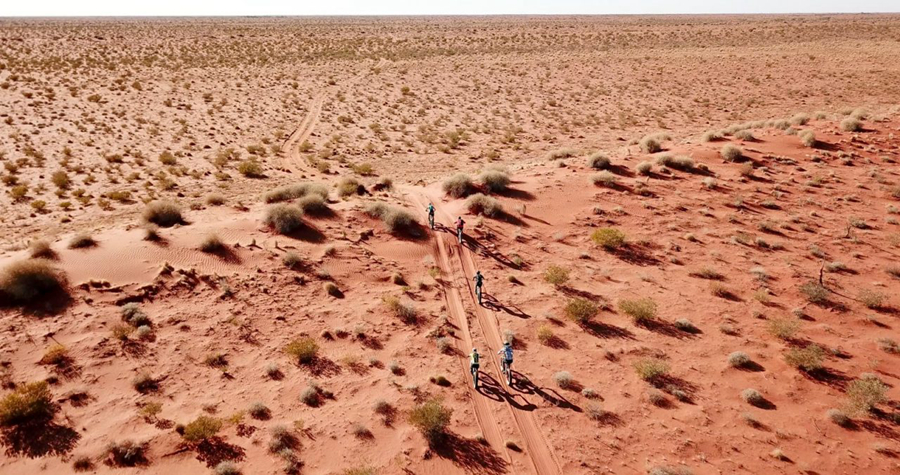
<point x="505" y="343"/>
<point x="474" y="350"/>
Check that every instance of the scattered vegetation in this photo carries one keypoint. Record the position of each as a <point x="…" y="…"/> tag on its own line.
<point x="303" y="350"/>
<point x="640" y="310"/>
<point x="30" y="280"/>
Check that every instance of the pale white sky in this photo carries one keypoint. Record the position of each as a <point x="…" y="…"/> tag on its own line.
<point x="428" y="7"/>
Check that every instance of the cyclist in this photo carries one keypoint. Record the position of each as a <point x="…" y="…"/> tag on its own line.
<point x="459" y="228"/>
<point x="474" y="363"/>
<point x="507" y="359"/>
<point x="479" y="282"/>
<point x="430" y="210"/>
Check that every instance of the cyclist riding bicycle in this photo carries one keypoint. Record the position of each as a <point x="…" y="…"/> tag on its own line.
<point x="474" y="363"/>
<point x="430" y="210"/>
<point x="507" y="359"/>
<point x="479" y="282"/>
<point x="459" y="228"/>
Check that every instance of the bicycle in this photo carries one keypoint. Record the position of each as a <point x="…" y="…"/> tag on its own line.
<point x="478" y="293"/>
<point x="505" y="369"/>
<point x="474" y="369"/>
<point x="459" y="234"/>
<point x="431" y="221"/>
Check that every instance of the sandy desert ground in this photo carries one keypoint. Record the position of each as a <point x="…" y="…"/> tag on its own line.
<point x="215" y="256"/>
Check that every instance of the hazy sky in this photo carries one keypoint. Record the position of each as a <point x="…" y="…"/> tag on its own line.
<point x="428" y="7"/>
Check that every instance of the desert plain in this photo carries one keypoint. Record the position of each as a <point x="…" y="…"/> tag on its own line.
<point x="215" y="254"/>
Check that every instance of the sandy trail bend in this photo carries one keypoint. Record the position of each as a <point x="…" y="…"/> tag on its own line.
<point x="537" y="448"/>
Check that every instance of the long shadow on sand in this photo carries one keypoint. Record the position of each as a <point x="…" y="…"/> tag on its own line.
<point x="470" y="455"/>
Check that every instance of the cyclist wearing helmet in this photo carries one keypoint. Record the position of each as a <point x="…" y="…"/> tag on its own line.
<point x="474" y="363"/>
<point x="507" y="357"/>
<point x="479" y="282"/>
<point x="430" y="210"/>
<point x="459" y="228"/>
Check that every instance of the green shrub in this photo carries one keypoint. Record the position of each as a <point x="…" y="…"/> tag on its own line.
<point x="304" y="350"/>
<point x="608" y="238"/>
<point x="484" y="205"/>
<point x="27" y="402"/>
<point x="808" y="359"/>
<point x="556" y="275"/>
<point x="581" y="310"/>
<point x="651" y="369"/>
<point x="432" y="419"/>
<point x="640" y="310"/>
<point x="784" y="328"/>
<point x="284" y="218"/>
<point x="202" y="428"/>
<point x="865" y="393"/>
<point x="458" y="186"/>
<point x="250" y="168"/>
<point x="815" y="292"/>
<point x="30" y="280"/>
<point x="163" y="213"/>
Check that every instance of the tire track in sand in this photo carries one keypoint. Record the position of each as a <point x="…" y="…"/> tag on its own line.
<point x="293" y="160"/>
<point x="538" y="449"/>
<point x="483" y="413"/>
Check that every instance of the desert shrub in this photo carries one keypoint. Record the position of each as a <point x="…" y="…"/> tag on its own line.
<point x="564" y="379"/>
<point x="738" y="359"/>
<point x="581" y="310"/>
<point x="785" y="327"/>
<point x="313" y="204"/>
<point x="82" y="464"/>
<point x="212" y="244"/>
<point x="404" y="311"/>
<point x="744" y="135"/>
<point x="362" y="470"/>
<point x="82" y="241"/>
<point x="800" y="119"/>
<point x="651" y="369"/>
<point x="250" y="168"/>
<point x="651" y="144"/>
<point x="259" y="411"/>
<point x="667" y="470"/>
<point x="144" y="383"/>
<point x="865" y="393"/>
<point x="888" y="345"/>
<point x="808" y="138"/>
<point x="608" y="238"/>
<point x="707" y="273"/>
<point x="332" y="289"/>
<point x="644" y="168"/>
<point x="851" y="124"/>
<point x="589" y="393"/>
<point x="215" y="199"/>
<point x="872" y="299"/>
<point x="731" y="153"/>
<point x="494" y="181"/>
<point x="349" y="187"/>
<point x="561" y="153"/>
<point x="598" y="161"/>
<point x="680" y="162"/>
<point x="485" y="205"/>
<point x="41" y="249"/>
<point x="458" y="186"/>
<point x="30" y="280"/>
<point x="298" y="190"/>
<point x="163" y="213"/>
<point x="752" y="397"/>
<point x="26" y="402"/>
<point x="815" y="292"/>
<point x="808" y="359"/>
<point x="292" y="260"/>
<point x="711" y="136"/>
<point x="686" y="325"/>
<point x="545" y="335"/>
<point x="227" y="468"/>
<point x="394" y="219"/>
<point x="304" y="350"/>
<point x="126" y="453"/>
<point x="133" y="315"/>
<point x="432" y="419"/>
<point x="640" y="310"/>
<point x="556" y="275"/>
<point x="57" y="355"/>
<point x="284" y="218"/>
<point x="201" y="428"/>
<point x="604" y="178"/>
<point x="839" y="417"/>
<point x="311" y="396"/>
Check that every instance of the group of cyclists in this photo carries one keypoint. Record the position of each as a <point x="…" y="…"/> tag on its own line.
<point x="506" y="352"/>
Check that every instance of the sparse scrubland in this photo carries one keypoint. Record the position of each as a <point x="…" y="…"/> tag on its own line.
<point x="213" y="259"/>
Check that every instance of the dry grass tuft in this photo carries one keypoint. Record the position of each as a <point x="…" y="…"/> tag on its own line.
<point x="31" y="280"/>
<point x="163" y="213"/>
